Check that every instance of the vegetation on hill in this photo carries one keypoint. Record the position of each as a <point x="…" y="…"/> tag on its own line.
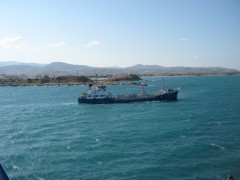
<point x="63" y="80"/>
<point x="45" y="80"/>
<point x="124" y="77"/>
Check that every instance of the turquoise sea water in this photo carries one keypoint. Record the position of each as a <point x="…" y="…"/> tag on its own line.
<point x="46" y="134"/>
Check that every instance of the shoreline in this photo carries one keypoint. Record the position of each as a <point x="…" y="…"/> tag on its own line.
<point x="22" y="82"/>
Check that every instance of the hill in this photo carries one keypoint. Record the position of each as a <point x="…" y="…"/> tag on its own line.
<point x="10" y="63"/>
<point x="124" y="77"/>
<point x="63" y="69"/>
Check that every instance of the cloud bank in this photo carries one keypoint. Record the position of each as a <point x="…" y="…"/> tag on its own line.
<point x="12" y="42"/>
<point x="59" y="44"/>
<point x="93" y="44"/>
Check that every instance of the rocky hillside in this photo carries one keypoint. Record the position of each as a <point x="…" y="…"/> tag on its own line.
<point x="124" y="77"/>
<point x="67" y="80"/>
<point x="45" y="80"/>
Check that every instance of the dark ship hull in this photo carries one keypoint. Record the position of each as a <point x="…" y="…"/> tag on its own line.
<point x="170" y="95"/>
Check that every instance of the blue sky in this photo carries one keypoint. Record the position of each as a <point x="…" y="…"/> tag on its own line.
<point x="100" y="33"/>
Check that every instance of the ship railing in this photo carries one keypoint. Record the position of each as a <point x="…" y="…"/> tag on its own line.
<point x="135" y="96"/>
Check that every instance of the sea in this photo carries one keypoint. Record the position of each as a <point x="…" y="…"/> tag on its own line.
<point x="46" y="135"/>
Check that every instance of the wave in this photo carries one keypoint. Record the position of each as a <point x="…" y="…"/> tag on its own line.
<point x="221" y="147"/>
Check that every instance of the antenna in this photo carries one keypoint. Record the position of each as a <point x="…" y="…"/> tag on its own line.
<point x="142" y="89"/>
<point x="163" y="84"/>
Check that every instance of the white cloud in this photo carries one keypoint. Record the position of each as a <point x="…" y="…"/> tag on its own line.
<point x="184" y="39"/>
<point x="12" y="42"/>
<point x="59" y="44"/>
<point x="92" y="44"/>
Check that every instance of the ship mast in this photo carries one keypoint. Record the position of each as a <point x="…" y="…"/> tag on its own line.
<point x="162" y="84"/>
<point x="142" y="90"/>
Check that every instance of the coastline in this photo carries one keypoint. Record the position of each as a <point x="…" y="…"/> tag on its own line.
<point x="14" y="81"/>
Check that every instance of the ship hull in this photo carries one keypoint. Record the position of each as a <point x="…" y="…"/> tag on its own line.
<point x="170" y="96"/>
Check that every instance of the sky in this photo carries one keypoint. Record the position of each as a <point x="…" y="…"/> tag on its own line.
<point x="105" y="33"/>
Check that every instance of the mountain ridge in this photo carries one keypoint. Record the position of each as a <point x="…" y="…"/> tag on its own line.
<point x="61" y="68"/>
<point x="10" y="63"/>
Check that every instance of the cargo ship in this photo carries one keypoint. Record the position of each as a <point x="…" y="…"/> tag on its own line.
<point x="98" y="94"/>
